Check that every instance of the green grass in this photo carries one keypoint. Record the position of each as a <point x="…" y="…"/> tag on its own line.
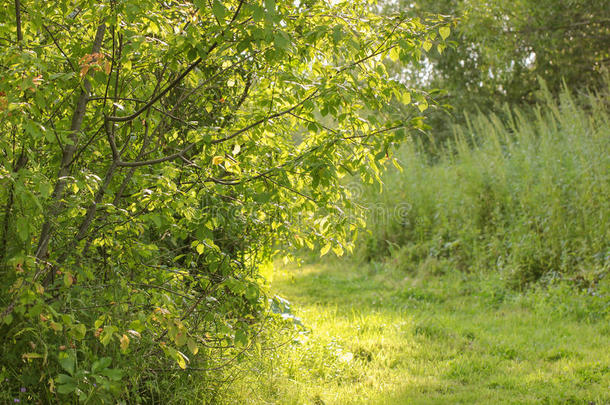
<point x="376" y="336"/>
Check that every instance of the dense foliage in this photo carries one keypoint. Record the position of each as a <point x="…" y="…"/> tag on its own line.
<point x="506" y="46"/>
<point x="501" y="48"/>
<point x="525" y="197"/>
<point x="153" y="156"/>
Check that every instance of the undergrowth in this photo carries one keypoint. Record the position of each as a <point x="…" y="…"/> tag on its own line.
<point x="525" y="193"/>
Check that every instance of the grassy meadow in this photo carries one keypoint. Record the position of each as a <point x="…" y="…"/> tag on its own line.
<point x="481" y="277"/>
<point x="375" y="336"/>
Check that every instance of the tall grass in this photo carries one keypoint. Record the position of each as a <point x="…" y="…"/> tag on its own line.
<point x="525" y="193"/>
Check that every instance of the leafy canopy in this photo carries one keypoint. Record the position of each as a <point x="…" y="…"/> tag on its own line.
<point x="156" y="154"/>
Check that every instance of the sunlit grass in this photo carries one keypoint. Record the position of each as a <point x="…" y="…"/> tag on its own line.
<point x="376" y="336"/>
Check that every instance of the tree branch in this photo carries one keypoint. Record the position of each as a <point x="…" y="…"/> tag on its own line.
<point x="18" y="20"/>
<point x="67" y="155"/>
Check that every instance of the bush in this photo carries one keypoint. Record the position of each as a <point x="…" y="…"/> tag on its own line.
<point x="154" y="155"/>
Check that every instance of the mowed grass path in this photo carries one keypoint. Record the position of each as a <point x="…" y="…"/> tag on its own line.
<point x="378" y="336"/>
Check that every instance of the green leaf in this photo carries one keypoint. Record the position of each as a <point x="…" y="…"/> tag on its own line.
<point x="68" y="279"/>
<point x="33" y="129"/>
<point x="99" y="322"/>
<point x="136" y="325"/>
<point x="106" y="335"/>
<point x="79" y="331"/>
<point x="337" y="34"/>
<point x="270" y="6"/>
<point x="29" y="356"/>
<point x="100" y="364"/>
<point x="262" y="197"/>
<point x="180" y="338"/>
<point x="66" y="388"/>
<point x="23" y="229"/>
<point x="445" y="32"/>
<point x="68" y="362"/>
<point x="258" y="13"/>
<point x="219" y="10"/>
<point x="45" y="189"/>
<point x="8" y="319"/>
<point x="65" y="379"/>
<point x="192" y="345"/>
<point x="252" y="292"/>
<point x="394" y="54"/>
<point x="241" y="338"/>
<point x="281" y="40"/>
<point x="113" y="373"/>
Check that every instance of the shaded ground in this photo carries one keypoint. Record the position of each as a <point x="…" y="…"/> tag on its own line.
<point x="376" y="336"/>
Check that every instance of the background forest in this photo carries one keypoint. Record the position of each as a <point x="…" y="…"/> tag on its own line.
<point x="304" y="202"/>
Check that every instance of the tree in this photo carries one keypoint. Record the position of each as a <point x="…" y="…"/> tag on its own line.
<point x="156" y="154"/>
<point x="501" y="49"/>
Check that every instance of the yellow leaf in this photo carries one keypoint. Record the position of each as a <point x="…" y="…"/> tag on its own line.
<point x="216" y="160"/>
<point x="444" y="31"/>
<point x="397" y="165"/>
<point x="427" y="45"/>
<point x="325" y="249"/>
<point x="422" y="105"/>
<point x="124" y="342"/>
<point x="338" y="250"/>
<point x="181" y="359"/>
<point x="394" y="54"/>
